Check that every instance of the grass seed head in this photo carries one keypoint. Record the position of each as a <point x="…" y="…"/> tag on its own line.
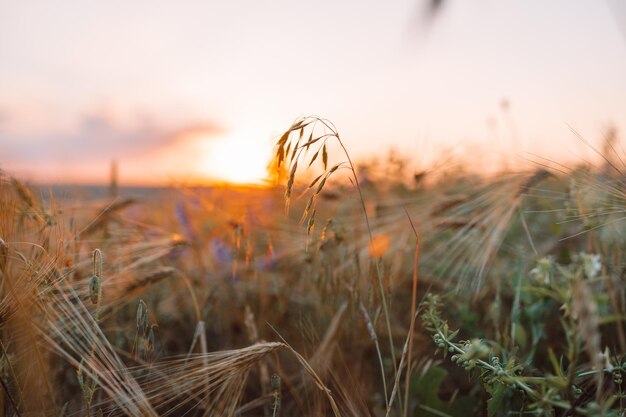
<point x="94" y="289"/>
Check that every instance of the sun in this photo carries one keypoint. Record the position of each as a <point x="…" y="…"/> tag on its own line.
<point x="240" y="156"/>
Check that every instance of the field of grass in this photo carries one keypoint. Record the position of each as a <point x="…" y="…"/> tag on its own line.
<point x="452" y="294"/>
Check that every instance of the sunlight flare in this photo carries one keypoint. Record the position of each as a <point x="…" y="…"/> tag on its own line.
<point x="240" y="156"/>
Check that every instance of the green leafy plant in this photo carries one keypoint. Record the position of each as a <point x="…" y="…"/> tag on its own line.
<point x="578" y="377"/>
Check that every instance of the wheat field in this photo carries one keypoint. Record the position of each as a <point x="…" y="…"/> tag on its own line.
<point x="327" y="293"/>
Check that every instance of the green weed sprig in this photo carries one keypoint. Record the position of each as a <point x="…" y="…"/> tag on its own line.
<point x="523" y="385"/>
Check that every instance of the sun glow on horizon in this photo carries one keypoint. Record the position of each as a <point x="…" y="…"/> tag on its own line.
<point x="240" y="156"/>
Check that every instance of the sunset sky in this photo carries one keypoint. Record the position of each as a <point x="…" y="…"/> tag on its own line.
<point x="198" y="88"/>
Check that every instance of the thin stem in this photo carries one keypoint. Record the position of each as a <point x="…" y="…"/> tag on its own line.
<point x="571" y="373"/>
<point x="192" y="293"/>
<point x="376" y="260"/>
<point x="413" y="316"/>
<point x="374" y="338"/>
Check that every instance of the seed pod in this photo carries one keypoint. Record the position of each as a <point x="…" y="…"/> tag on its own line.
<point x="79" y="374"/>
<point x="275" y="382"/>
<point x="140" y="314"/>
<point x="276" y="386"/>
<point x="94" y="289"/>
<point x="151" y="338"/>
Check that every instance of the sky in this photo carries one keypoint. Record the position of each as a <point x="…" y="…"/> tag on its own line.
<point x="202" y="89"/>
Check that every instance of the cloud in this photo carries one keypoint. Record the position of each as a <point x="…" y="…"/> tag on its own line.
<point x="96" y="138"/>
<point x="4" y="118"/>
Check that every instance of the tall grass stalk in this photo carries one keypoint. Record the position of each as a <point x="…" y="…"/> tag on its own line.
<point x="299" y="126"/>
<point x="411" y="334"/>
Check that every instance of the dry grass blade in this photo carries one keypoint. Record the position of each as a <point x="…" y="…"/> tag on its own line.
<point x="316" y="379"/>
<point x="105" y="215"/>
<point x="148" y="280"/>
<point x="323" y="355"/>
